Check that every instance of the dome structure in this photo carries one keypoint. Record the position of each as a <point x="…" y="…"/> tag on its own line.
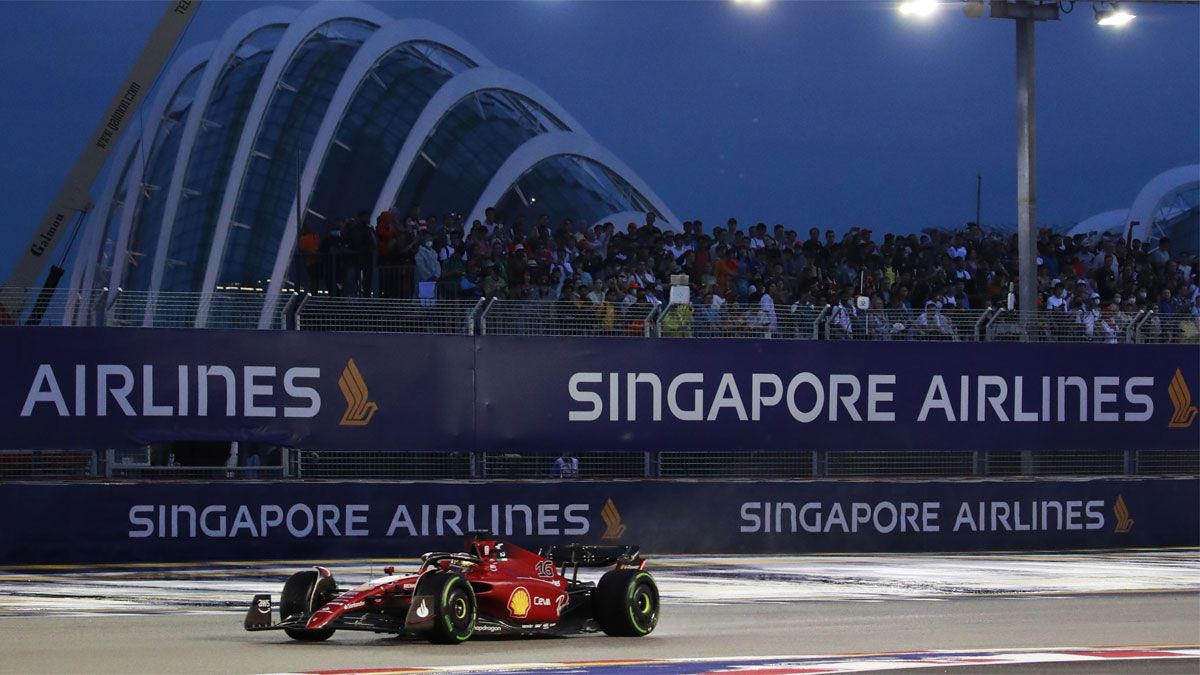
<point x="352" y="110"/>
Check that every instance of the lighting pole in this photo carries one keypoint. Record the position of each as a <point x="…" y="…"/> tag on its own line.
<point x="1026" y="14"/>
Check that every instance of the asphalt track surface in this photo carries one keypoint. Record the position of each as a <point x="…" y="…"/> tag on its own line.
<point x="63" y="632"/>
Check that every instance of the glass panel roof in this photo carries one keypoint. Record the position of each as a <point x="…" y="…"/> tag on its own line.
<point x="108" y="233"/>
<point x="282" y="145"/>
<point x="210" y="159"/>
<point x="468" y="146"/>
<point x="570" y="186"/>
<point x="151" y="195"/>
<point x="376" y="122"/>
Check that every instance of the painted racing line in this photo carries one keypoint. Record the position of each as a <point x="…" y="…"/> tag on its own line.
<point x="788" y="665"/>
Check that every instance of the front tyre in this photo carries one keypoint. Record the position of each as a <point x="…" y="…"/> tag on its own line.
<point x="625" y="603"/>
<point x="456" y="608"/>
<point x="304" y="593"/>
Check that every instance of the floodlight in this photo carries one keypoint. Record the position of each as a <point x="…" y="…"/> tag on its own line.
<point x="918" y="7"/>
<point x="1113" y="15"/>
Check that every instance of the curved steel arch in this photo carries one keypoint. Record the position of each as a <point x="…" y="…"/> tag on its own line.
<point x="242" y="29"/>
<point x="559" y="143"/>
<point x="386" y="40"/>
<point x="87" y="256"/>
<point x="1106" y="221"/>
<point x="175" y="77"/>
<point x="465" y="84"/>
<point x="621" y="219"/>
<point x="304" y="25"/>
<point x="1165" y="184"/>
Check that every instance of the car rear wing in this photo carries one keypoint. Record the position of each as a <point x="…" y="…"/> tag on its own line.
<point x="585" y="555"/>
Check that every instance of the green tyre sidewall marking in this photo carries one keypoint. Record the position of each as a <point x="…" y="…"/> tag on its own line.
<point x="631" y="601"/>
<point x="446" y="618"/>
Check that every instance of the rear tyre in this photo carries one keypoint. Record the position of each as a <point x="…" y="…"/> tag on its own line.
<point x="305" y="592"/>
<point x="456" y="608"/>
<point x="625" y="603"/>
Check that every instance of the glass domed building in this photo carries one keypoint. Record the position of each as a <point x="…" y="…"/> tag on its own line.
<point x="351" y="109"/>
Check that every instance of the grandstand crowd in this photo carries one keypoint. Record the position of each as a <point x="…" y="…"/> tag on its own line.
<point x="756" y="279"/>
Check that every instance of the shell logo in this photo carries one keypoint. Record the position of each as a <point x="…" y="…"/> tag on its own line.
<point x="519" y="603"/>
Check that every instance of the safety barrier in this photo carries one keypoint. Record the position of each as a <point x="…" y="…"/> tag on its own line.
<point x="96" y="387"/>
<point x="230" y="521"/>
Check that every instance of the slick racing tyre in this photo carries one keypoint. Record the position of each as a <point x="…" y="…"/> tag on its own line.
<point x="455" y="607"/>
<point x="305" y="592"/>
<point x="625" y="603"/>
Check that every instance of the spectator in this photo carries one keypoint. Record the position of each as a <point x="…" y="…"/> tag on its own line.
<point x="565" y="466"/>
<point x="428" y="266"/>
<point x="309" y="245"/>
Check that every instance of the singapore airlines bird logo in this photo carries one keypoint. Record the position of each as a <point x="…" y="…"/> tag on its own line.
<point x="613" y="527"/>
<point x="1124" y="522"/>
<point x="1181" y="399"/>
<point x="359" y="408"/>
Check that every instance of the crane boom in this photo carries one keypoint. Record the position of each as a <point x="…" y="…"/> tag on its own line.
<point x="73" y="196"/>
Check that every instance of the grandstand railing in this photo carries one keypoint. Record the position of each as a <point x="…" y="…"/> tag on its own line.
<point x="387" y="315"/>
<point x="307" y="464"/>
<point x="559" y="318"/>
<point x="249" y="308"/>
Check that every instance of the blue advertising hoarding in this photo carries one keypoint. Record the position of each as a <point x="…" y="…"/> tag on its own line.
<point x="176" y="522"/>
<point x="105" y="388"/>
<point x="832" y="395"/>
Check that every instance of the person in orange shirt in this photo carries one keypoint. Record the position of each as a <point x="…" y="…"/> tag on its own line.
<point x="725" y="269"/>
<point x="309" y="245"/>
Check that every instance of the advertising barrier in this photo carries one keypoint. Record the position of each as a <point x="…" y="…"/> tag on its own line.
<point x="244" y="521"/>
<point x="833" y="395"/>
<point x="106" y="388"/>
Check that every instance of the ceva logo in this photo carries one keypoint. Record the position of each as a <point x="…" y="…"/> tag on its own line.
<point x="359" y="408"/>
<point x="613" y="527"/>
<point x="1181" y="400"/>
<point x="1121" y="511"/>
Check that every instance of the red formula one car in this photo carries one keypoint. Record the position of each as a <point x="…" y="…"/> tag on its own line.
<point x="495" y="588"/>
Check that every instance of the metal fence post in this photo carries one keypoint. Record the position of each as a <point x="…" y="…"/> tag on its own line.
<point x="987" y="328"/>
<point x="818" y="322"/>
<point x="1130" y="330"/>
<point x="109" y="457"/>
<point x="475" y="316"/>
<point x="299" y="310"/>
<point x="1137" y="325"/>
<point x="283" y="311"/>
<point x="819" y="463"/>
<point x="483" y="316"/>
<point x="979" y="323"/>
<point x="648" y="322"/>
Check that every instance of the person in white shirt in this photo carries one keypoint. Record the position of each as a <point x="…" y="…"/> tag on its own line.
<point x="956" y="249"/>
<point x="1057" y="302"/>
<point x="489" y="221"/>
<point x="766" y="311"/>
<point x="565" y="466"/>
<point x="934" y="324"/>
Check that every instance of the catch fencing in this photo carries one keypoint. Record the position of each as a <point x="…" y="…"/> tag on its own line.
<point x="314" y="464"/>
<point x="441" y="313"/>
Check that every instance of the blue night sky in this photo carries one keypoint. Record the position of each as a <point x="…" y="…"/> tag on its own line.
<point x="831" y="114"/>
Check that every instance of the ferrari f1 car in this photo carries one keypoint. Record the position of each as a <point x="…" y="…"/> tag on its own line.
<point x="495" y="588"/>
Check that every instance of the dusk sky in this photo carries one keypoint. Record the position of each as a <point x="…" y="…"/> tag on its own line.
<point x="831" y="114"/>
